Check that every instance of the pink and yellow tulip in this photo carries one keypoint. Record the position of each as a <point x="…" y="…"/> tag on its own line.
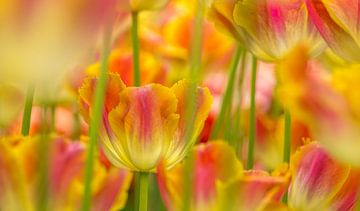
<point x="268" y="28"/>
<point x="219" y="182"/>
<point x="330" y="112"/>
<point x="19" y="175"/>
<point x="143" y="125"/>
<point x="319" y="182"/>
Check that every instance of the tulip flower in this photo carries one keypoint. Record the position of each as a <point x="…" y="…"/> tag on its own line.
<point x="338" y="23"/>
<point x="19" y="169"/>
<point x="330" y="112"/>
<point x="42" y="39"/>
<point x="268" y="28"/>
<point x="219" y="182"/>
<point x="321" y="183"/>
<point x="143" y="125"/>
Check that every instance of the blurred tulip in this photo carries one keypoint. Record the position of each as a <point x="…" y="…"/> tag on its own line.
<point x="42" y="39"/>
<point x="338" y="23"/>
<point x="221" y="13"/>
<point x="120" y="61"/>
<point x="19" y="169"/>
<point x="142" y="125"/>
<point x="177" y="32"/>
<point x="268" y="28"/>
<point x="11" y="102"/>
<point x="270" y="138"/>
<point x="321" y="183"/>
<point x="256" y="190"/>
<point x="326" y="111"/>
<point x="219" y="182"/>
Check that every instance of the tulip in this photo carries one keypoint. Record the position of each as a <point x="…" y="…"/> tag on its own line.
<point x="268" y="28"/>
<point x="321" y="183"/>
<point x="143" y="125"/>
<point x="43" y="39"/>
<point x="338" y="23"/>
<point x="331" y="112"/>
<point x="219" y="182"/>
<point x="19" y="170"/>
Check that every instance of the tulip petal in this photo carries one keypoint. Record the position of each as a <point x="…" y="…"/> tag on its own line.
<point x="336" y="37"/>
<point x="317" y="178"/>
<point x="13" y="192"/>
<point x="87" y="91"/>
<point x="346" y="14"/>
<point x="221" y="13"/>
<point x="113" y="192"/>
<point x="346" y="198"/>
<point x="213" y="162"/>
<point x="256" y="190"/>
<point x="203" y="101"/>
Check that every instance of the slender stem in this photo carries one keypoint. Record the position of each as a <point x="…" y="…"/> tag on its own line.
<point x="25" y="127"/>
<point x="136" y="48"/>
<point x="228" y="93"/>
<point x="238" y="116"/>
<point x="287" y="136"/>
<point x="196" y="41"/>
<point x="287" y="145"/>
<point x="43" y="153"/>
<point x="195" y="67"/>
<point x="96" y="117"/>
<point x="252" y="121"/>
<point x="76" y="132"/>
<point x="142" y="191"/>
<point x="53" y="117"/>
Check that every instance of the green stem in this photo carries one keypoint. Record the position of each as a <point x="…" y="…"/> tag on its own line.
<point x="196" y="41"/>
<point x="238" y="139"/>
<point x="142" y="191"/>
<point x="136" y="48"/>
<point x="252" y="121"/>
<point x="195" y="67"/>
<point x="43" y="153"/>
<point x="25" y="127"/>
<point x="287" y="136"/>
<point x="53" y="117"/>
<point x="228" y="93"/>
<point x="287" y="145"/>
<point x="96" y="118"/>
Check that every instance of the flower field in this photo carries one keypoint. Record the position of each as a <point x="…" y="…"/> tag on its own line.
<point x="179" y="105"/>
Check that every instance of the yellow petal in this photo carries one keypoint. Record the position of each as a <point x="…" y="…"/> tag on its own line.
<point x="203" y="101"/>
<point x="87" y="91"/>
